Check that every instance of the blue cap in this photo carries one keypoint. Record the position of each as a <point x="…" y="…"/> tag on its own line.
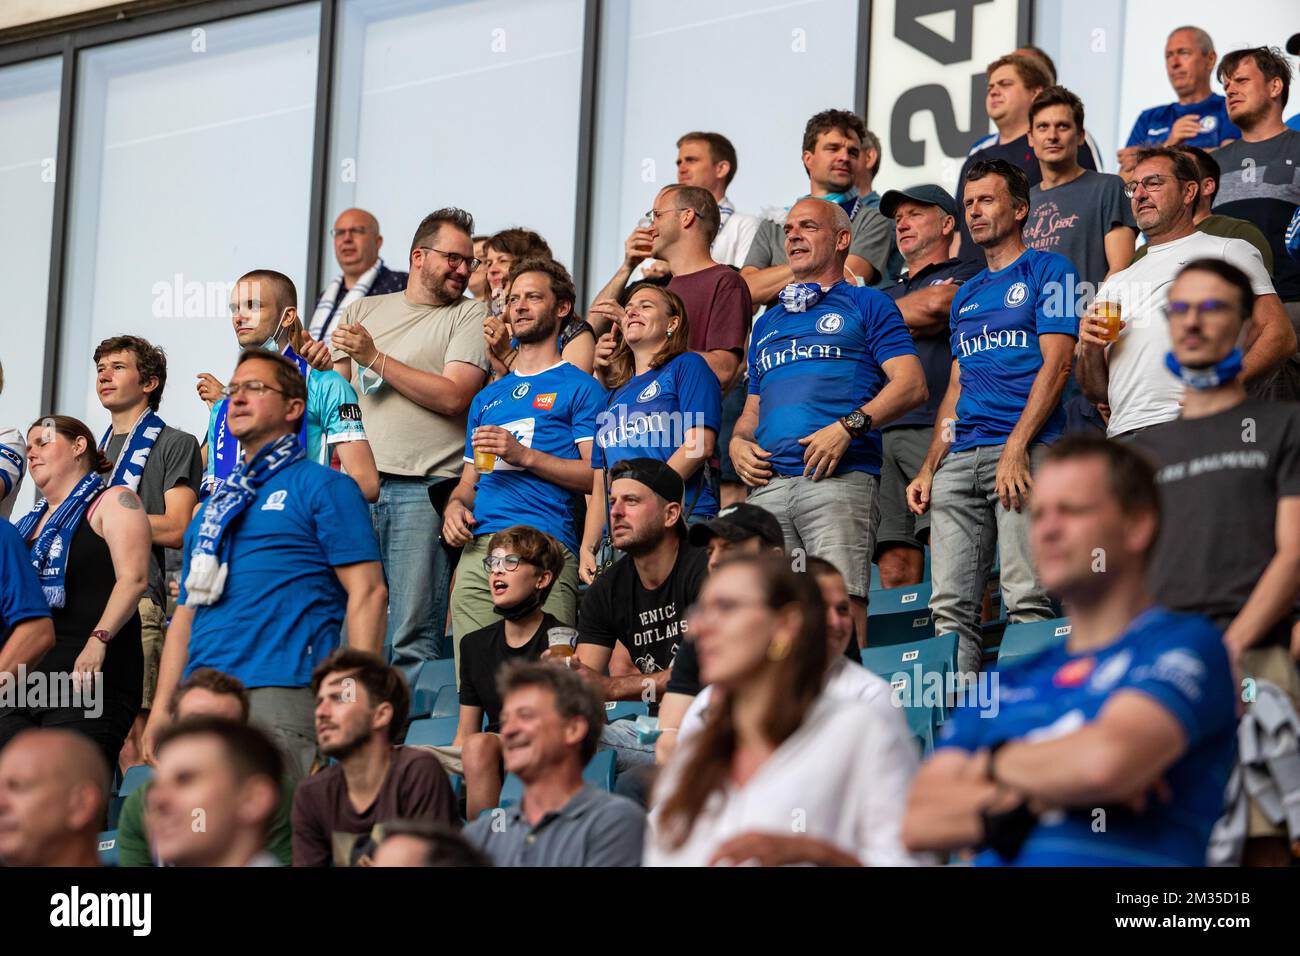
<point x="927" y="193"/>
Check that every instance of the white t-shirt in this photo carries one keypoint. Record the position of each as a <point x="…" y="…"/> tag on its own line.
<point x="1142" y="390"/>
<point x="842" y="778"/>
<point x="13" y="465"/>
<point x="731" y="244"/>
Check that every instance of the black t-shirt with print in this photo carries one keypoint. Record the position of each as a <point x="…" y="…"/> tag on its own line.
<point x="482" y="655"/>
<point x="650" y="624"/>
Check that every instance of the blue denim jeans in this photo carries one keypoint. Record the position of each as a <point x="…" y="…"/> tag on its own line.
<point x="417" y="569"/>
<point x="967" y="521"/>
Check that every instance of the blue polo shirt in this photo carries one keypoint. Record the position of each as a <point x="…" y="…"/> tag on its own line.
<point x="812" y="368"/>
<point x="650" y="414"/>
<point x="1176" y="660"/>
<point x="282" y="607"/>
<point x="995" y="323"/>
<point x="553" y="411"/>
<point x="21" y="597"/>
<point x="1153" y="125"/>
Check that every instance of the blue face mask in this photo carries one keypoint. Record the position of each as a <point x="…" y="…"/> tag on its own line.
<point x="1220" y="373"/>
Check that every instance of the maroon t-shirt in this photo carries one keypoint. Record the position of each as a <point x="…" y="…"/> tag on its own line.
<point x="327" y="829"/>
<point x="718" y="308"/>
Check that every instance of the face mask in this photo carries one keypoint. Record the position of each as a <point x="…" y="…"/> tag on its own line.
<point x="1220" y="373"/>
<point x="517" y="612"/>
<point x="271" y="345"/>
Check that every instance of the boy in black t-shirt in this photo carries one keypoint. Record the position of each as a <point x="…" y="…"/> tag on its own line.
<point x="522" y="566"/>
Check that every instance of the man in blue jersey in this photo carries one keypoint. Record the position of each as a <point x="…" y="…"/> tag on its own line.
<point x="530" y="431"/>
<point x="264" y="311"/>
<point x="1013" y="329"/>
<point x="827" y="367"/>
<point x="1112" y="749"/>
<point x="1198" y="118"/>
<point x="274" y="559"/>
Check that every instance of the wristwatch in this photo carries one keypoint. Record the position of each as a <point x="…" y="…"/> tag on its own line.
<point x="102" y="634"/>
<point x="856" y="423"/>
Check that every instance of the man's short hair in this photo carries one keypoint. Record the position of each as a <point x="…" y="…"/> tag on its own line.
<point x="521" y="243"/>
<point x="383" y="683"/>
<point x="821" y="568"/>
<point x="871" y="141"/>
<point x="1203" y="41"/>
<point x="447" y="847"/>
<point x="287" y="377"/>
<point x="1207" y="167"/>
<point x="214" y="682"/>
<point x="1057" y="96"/>
<point x="1270" y="60"/>
<point x="279" y="285"/>
<point x="562" y="286"/>
<point x="150" y="361"/>
<point x="1228" y="273"/>
<point x="536" y="547"/>
<point x="1183" y="163"/>
<point x="427" y="231"/>
<point x="701" y="202"/>
<point x="1131" y="475"/>
<point x="1015" y="178"/>
<point x="1038" y="53"/>
<point x="843" y="121"/>
<point x="1031" y="74"/>
<point x="573" y="696"/>
<point x="250" y="752"/>
<point x="720" y="150"/>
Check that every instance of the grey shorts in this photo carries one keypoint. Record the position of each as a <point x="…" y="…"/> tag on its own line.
<point x="835" y="518"/>
<point x="905" y="449"/>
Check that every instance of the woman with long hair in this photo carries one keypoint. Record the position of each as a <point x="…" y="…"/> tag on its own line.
<point x="778" y="761"/>
<point x="90" y="546"/>
<point x="664" y="402"/>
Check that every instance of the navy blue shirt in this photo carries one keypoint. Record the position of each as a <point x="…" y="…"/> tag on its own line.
<point x="1176" y="660"/>
<point x="933" y="350"/>
<point x="650" y="414"/>
<point x="811" y="368"/>
<point x="21" y="597"/>
<point x="1154" y="125"/>
<point x="553" y="411"/>
<point x="996" y="320"/>
<point x="281" y="610"/>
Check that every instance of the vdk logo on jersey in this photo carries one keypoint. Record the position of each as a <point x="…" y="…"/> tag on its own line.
<point x="545" y="401"/>
<point x="830" y="323"/>
<point x="1016" y="295"/>
<point x="649" y="392"/>
<point x="521" y="390"/>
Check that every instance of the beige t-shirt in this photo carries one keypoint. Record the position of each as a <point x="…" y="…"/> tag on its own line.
<point x="409" y="439"/>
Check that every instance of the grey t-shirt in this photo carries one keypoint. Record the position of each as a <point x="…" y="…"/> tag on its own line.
<point x="173" y="460"/>
<point x="1073" y="219"/>
<point x="872" y="234"/>
<point x="594" y="828"/>
<point x="1261" y="184"/>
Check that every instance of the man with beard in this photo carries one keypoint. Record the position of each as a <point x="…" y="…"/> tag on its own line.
<point x="416" y="358"/>
<point x="361" y="709"/>
<point x="641" y="601"/>
<point x="527" y="450"/>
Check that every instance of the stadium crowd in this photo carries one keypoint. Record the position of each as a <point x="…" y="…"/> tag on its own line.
<point x="466" y="573"/>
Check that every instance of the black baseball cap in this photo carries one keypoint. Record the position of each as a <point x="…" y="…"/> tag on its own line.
<point x="1293" y="44"/>
<point x="654" y="474"/>
<point x="738" y="522"/>
<point x="927" y="193"/>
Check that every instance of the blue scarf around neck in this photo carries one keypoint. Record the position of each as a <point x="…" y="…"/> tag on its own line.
<point x="129" y="467"/>
<point x="50" y="550"/>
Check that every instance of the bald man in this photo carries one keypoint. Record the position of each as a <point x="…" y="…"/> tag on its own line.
<point x="53" y="794"/>
<point x="356" y="247"/>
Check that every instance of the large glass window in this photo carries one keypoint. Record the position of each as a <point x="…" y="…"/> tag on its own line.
<point x="192" y="166"/>
<point x="470" y="103"/>
<point x="752" y="71"/>
<point x="29" y="132"/>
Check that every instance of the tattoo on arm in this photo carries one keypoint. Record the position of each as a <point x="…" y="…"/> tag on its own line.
<point x="128" y="501"/>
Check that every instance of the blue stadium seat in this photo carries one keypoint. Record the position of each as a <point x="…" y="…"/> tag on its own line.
<point x="618" y="709"/>
<point x="899" y="615"/>
<point x="437" y="674"/>
<point x="108" y="848"/>
<point x="447" y="703"/>
<point x="422" y="700"/>
<point x="135" y="776"/>
<point x="932" y="653"/>
<point x="512" y="791"/>
<point x="432" y="731"/>
<point x="1023" y="640"/>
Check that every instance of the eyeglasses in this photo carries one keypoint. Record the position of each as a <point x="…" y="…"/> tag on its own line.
<point x="252" y="388"/>
<point x="454" y="259"/>
<point x="1151" y="184"/>
<point x="653" y="214"/>
<point x="349" y="231"/>
<point x="1207" y="307"/>
<point x="506" y="562"/>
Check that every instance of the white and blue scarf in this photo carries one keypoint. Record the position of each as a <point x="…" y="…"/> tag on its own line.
<point x="326" y="311"/>
<point x="129" y="467"/>
<point x="209" y="558"/>
<point x="800" y="296"/>
<point x="50" y="551"/>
